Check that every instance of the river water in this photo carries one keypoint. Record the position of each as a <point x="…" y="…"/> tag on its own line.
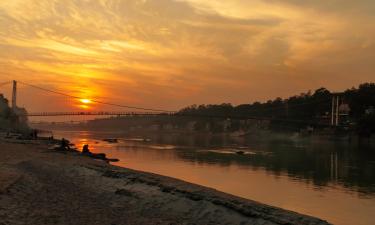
<point x="334" y="181"/>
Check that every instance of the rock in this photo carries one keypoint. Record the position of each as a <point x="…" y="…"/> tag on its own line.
<point x="113" y="160"/>
<point x="111" y="140"/>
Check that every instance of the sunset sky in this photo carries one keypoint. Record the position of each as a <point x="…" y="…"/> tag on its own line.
<point x="172" y="53"/>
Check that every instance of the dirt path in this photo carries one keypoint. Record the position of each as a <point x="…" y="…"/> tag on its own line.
<point x="38" y="187"/>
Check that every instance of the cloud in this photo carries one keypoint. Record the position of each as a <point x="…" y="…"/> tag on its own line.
<point x="170" y="53"/>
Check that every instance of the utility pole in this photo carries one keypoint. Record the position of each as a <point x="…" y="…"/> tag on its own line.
<point x="14" y="95"/>
<point x="333" y="111"/>
<point x="337" y="110"/>
<point x="335" y="114"/>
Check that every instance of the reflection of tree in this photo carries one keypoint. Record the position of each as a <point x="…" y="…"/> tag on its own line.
<point x="320" y="164"/>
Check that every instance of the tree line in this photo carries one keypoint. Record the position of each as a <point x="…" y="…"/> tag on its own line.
<point x="306" y="109"/>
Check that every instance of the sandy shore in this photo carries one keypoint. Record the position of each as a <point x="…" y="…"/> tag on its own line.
<point x="40" y="186"/>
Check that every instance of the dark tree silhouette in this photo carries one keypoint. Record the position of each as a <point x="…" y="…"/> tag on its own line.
<point x="294" y="112"/>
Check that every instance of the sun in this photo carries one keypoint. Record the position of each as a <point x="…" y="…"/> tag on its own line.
<point x="85" y="101"/>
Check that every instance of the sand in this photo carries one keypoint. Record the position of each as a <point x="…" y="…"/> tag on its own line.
<point x="40" y="186"/>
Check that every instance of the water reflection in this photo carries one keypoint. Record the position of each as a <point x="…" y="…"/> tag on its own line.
<point x="321" y="162"/>
<point x="331" y="180"/>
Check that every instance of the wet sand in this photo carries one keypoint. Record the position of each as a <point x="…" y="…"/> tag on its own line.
<point x="40" y="186"/>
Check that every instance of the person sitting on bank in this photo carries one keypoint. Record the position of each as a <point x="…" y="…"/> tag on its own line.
<point x="86" y="150"/>
<point x="64" y="144"/>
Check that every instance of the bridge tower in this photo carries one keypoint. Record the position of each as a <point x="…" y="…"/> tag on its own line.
<point x="14" y="95"/>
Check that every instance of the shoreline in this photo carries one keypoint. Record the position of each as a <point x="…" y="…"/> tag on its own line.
<point x="119" y="195"/>
<point x="348" y="138"/>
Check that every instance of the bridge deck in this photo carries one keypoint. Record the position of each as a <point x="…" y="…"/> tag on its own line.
<point x="43" y="114"/>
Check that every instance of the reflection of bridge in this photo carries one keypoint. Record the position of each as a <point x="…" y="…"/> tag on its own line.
<point x="43" y="114"/>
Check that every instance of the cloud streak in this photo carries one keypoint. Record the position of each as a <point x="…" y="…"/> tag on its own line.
<point x="169" y="53"/>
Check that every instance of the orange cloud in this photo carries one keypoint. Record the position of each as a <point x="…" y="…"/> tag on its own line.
<point x="173" y="53"/>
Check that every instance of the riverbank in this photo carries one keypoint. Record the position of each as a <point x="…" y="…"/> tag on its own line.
<point x="330" y="135"/>
<point x="41" y="186"/>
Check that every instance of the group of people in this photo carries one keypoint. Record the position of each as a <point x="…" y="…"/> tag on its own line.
<point x="66" y="146"/>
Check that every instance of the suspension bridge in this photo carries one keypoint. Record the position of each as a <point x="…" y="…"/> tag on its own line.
<point x="95" y="113"/>
<point x="132" y="111"/>
<point x="141" y="111"/>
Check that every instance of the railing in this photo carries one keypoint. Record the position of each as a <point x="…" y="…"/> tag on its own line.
<point x="42" y="114"/>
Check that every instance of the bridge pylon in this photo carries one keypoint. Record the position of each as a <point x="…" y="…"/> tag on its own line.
<point x="14" y="95"/>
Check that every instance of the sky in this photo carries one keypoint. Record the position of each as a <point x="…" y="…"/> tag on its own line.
<point x="168" y="54"/>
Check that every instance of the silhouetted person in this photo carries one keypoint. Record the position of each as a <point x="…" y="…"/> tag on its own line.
<point x="64" y="144"/>
<point x="35" y="134"/>
<point x="86" y="150"/>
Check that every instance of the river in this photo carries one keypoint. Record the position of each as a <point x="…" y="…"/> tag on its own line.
<point x="334" y="181"/>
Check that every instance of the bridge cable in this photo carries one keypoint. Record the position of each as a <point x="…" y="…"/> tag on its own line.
<point x="5" y="83"/>
<point x="96" y="101"/>
<point x="192" y="114"/>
